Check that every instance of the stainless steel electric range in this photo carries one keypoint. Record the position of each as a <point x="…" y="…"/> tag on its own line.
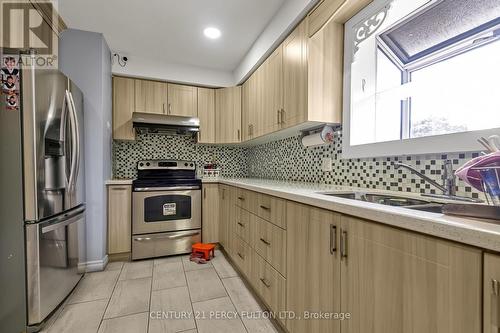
<point x="166" y="208"/>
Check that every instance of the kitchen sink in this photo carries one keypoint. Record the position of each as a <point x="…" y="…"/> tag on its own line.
<point x="390" y="200"/>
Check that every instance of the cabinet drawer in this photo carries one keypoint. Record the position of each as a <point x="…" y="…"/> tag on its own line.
<point x="272" y="209"/>
<point x="242" y="224"/>
<point x="269" y="241"/>
<point x="246" y="200"/>
<point x="270" y="285"/>
<point x="242" y="255"/>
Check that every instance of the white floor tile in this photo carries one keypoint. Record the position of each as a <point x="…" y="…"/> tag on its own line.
<point x="80" y="317"/>
<point x="137" y="270"/>
<point x="94" y="286"/>
<point x="167" y="308"/>
<point x="208" y="323"/>
<point x="136" y="323"/>
<point x="204" y="284"/>
<point x="129" y="297"/>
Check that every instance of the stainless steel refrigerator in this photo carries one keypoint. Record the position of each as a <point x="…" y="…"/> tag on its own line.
<point x="50" y="174"/>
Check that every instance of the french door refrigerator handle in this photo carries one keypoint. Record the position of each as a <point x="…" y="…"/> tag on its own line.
<point x="75" y="140"/>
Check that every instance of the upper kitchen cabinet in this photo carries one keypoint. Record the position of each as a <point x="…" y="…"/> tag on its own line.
<point x="228" y="114"/>
<point x="182" y="100"/>
<point x="123" y="107"/>
<point x="272" y="94"/>
<point x="150" y="96"/>
<point x="295" y="77"/>
<point x="206" y="113"/>
<point x="325" y="74"/>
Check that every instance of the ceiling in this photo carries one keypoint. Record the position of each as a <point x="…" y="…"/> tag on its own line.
<point x="171" y="31"/>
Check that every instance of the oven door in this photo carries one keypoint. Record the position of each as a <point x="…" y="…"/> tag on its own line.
<point x="159" y="211"/>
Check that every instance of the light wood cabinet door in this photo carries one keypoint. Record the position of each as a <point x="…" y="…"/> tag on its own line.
<point x="226" y="216"/>
<point x="119" y="218"/>
<point x="123" y="107"/>
<point x="271" y="112"/>
<point x="269" y="241"/>
<point x="210" y="213"/>
<point x="206" y="113"/>
<point x="397" y="281"/>
<point x="228" y="114"/>
<point x="295" y="77"/>
<point x="150" y="96"/>
<point x="313" y="267"/>
<point x="182" y="100"/>
<point x="491" y="294"/>
<point x="249" y="109"/>
<point x="325" y="74"/>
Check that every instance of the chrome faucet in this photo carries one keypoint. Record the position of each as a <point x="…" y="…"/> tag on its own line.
<point x="449" y="184"/>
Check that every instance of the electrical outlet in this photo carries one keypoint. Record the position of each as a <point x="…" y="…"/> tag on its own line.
<point x="326" y="164"/>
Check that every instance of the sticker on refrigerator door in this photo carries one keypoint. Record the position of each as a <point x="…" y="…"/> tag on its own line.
<point x="10" y="81"/>
<point x="169" y="209"/>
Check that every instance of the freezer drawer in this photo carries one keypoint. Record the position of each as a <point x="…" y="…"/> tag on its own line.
<point x="55" y="261"/>
<point x="163" y="244"/>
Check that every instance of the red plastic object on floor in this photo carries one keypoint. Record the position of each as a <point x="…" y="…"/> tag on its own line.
<point x="208" y="250"/>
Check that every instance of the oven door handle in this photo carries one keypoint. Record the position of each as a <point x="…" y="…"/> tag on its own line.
<point x="176" y="236"/>
<point x="172" y="188"/>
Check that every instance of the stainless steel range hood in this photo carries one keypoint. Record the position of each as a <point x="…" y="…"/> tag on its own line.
<point x="165" y="124"/>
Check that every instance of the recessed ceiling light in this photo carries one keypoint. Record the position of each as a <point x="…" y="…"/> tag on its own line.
<point x="212" y="33"/>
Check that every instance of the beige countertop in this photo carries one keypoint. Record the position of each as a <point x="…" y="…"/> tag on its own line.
<point x="119" y="182"/>
<point x="469" y="231"/>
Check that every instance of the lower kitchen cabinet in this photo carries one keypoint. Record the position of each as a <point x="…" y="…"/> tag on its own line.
<point x="395" y="281"/>
<point x="119" y="218"/>
<point x="226" y="215"/>
<point x="491" y="294"/>
<point x="313" y="267"/>
<point x="210" y="213"/>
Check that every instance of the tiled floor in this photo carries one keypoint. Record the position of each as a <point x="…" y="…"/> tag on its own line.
<point x="163" y="295"/>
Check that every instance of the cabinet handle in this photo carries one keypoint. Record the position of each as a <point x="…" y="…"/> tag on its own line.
<point x="204" y="193"/>
<point x="118" y="188"/>
<point x="241" y="256"/>
<point x="238" y="135"/>
<point x="333" y="239"/>
<point x="169" y="108"/>
<point x="343" y="244"/>
<point x="223" y="193"/>
<point x="264" y="207"/>
<point x="163" y="106"/>
<point x="265" y="242"/>
<point x="264" y="282"/>
<point x="282" y="115"/>
<point x="495" y="306"/>
<point x="241" y="224"/>
<point x="241" y="198"/>
<point x="278" y="114"/>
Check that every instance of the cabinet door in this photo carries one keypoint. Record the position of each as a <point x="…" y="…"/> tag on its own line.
<point x="313" y="267"/>
<point x="258" y="102"/>
<point x="182" y="100"/>
<point x="491" y="294"/>
<point x="123" y="107"/>
<point x="273" y="92"/>
<point x="295" y="77"/>
<point x="206" y="113"/>
<point x="119" y="218"/>
<point x="210" y="213"/>
<point x="325" y="74"/>
<point x="228" y="114"/>
<point x="150" y="96"/>
<point x="397" y="281"/>
<point x="224" y="212"/>
<point x="249" y="108"/>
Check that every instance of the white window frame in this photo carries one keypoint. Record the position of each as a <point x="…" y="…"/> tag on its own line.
<point x="446" y="143"/>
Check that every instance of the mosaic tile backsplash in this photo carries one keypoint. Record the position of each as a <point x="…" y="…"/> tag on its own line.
<point x="287" y="159"/>
<point x="126" y="154"/>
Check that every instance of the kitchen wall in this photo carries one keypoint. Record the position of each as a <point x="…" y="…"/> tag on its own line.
<point x="153" y="146"/>
<point x="287" y="159"/>
<point x="85" y="58"/>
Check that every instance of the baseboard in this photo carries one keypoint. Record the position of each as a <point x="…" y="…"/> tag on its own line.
<point x="97" y="265"/>
<point x="124" y="256"/>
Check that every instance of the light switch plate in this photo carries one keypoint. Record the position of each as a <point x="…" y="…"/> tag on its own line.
<point x="326" y="164"/>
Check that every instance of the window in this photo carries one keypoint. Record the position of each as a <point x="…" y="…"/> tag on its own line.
<point x="420" y="72"/>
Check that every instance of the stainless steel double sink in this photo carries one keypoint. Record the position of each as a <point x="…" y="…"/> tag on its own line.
<point x="390" y="200"/>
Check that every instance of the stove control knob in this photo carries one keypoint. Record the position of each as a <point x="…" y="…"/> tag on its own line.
<point x="185" y="164"/>
<point x="148" y="164"/>
<point x="141" y="164"/>
<point x="191" y="164"/>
